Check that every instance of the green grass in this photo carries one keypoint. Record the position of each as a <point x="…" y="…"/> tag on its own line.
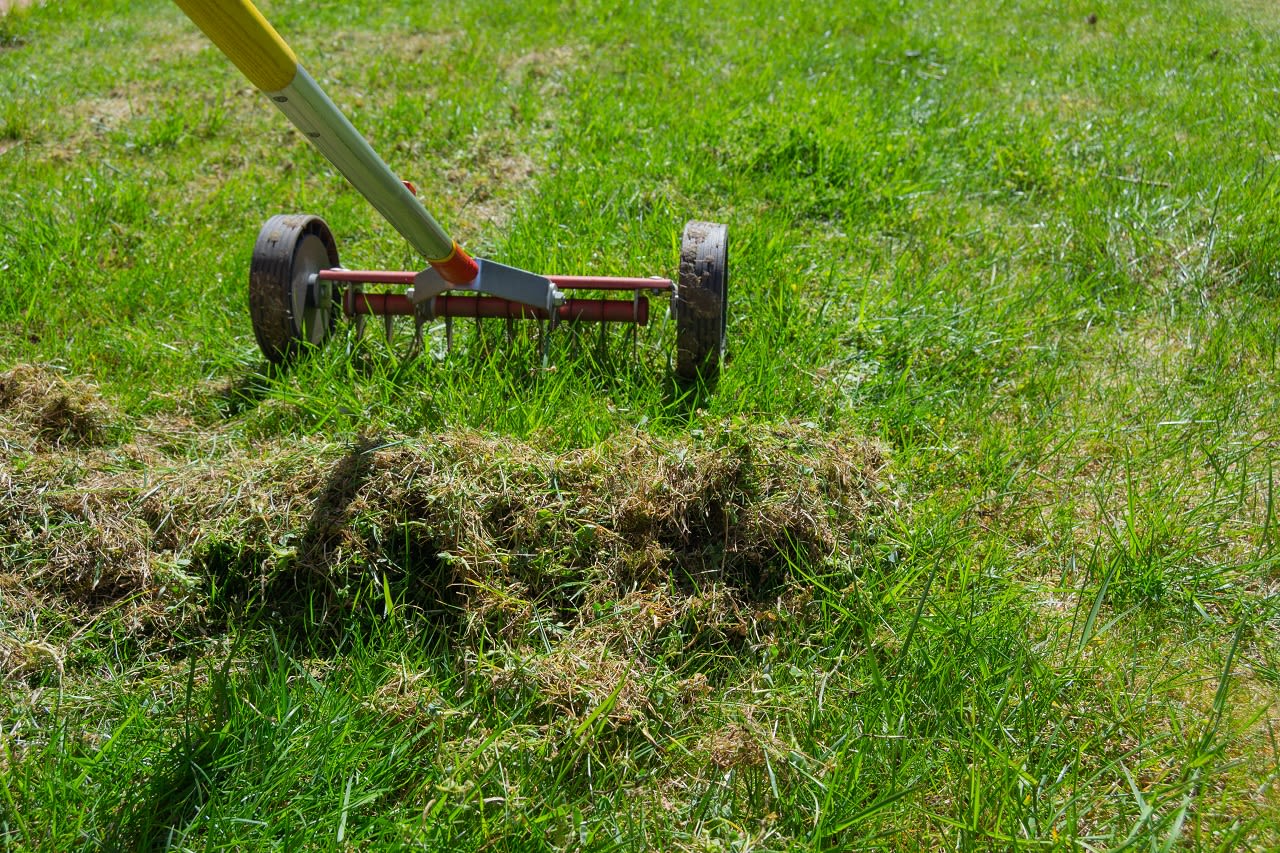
<point x="464" y="602"/>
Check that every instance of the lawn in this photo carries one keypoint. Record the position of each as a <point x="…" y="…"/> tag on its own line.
<point x="973" y="545"/>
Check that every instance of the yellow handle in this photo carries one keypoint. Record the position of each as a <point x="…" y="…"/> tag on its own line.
<point x="240" y="31"/>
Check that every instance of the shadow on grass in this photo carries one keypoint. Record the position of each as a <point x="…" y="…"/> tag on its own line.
<point x="242" y="394"/>
<point x="183" y="780"/>
<point x="683" y="398"/>
<point x="316" y="596"/>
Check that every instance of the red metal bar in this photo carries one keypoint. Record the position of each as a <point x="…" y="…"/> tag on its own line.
<point x="465" y="305"/>
<point x="396" y="304"/>
<point x="594" y="282"/>
<point x="566" y="282"/>
<point x="367" y="276"/>
<point x="606" y="311"/>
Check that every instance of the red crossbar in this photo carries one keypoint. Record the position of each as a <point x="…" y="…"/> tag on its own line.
<point x="565" y="282"/>
<point x="466" y="305"/>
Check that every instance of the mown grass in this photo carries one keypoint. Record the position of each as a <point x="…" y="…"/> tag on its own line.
<point x="1031" y="254"/>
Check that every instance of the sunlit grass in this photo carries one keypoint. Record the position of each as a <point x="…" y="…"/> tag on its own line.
<point x="1030" y="252"/>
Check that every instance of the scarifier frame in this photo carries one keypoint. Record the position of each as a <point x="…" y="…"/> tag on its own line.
<point x="297" y="285"/>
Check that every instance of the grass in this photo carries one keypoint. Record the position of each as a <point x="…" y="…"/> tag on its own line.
<point x="973" y="545"/>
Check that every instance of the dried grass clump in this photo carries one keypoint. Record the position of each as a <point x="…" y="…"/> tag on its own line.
<point x="87" y="530"/>
<point x="734" y="746"/>
<point x="18" y="659"/>
<point x="602" y="662"/>
<point x="496" y="537"/>
<point x="408" y="696"/>
<point x="740" y="506"/>
<point x="38" y="403"/>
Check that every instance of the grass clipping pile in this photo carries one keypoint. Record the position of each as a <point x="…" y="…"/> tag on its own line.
<point x="482" y="535"/>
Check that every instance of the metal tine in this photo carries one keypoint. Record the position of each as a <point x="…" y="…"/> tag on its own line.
<point x="415" y="349"/>
<point x="353" y="294"/>
<point x="359" y="336"/>
<point x="511" y="331"/>
<point x="545" y="330"/>
<point x="421" y="317"/>
<point x="635" y="327"/>
<point x="448" y="335"/>
<point x="387" y="326"/>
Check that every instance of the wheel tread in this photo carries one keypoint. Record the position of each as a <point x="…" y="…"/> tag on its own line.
<point x="701" y="307"/>
<point x="278" y="331"/>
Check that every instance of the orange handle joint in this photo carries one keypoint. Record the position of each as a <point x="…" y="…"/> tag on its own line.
<point x="458" y="268"/>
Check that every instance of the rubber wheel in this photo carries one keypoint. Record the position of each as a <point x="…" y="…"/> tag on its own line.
<point x="702" y="301"/>
<point x="290" y="311"/>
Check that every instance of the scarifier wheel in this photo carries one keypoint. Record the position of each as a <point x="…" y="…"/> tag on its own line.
<point x="290" y="309"/>
<point x="702" y="301"/>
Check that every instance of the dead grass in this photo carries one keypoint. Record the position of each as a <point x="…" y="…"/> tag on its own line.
<point x="412" y="46"/>
<point x="1260" y="13"/>
<point x="39" y="404"/>
<point x="735" y="745"/>
<point x="491" y="535"/>
<point x="112" y="111"/>
<point x="408" y="696"/>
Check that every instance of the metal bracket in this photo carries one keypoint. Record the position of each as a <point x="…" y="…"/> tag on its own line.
<point x="494" y="279"/>
<point x="319" y="292"/>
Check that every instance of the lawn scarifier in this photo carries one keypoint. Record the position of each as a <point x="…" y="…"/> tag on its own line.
<point x="297" y="287"/>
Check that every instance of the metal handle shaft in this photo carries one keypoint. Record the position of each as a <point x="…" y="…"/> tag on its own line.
<point x="240" y="31"/>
